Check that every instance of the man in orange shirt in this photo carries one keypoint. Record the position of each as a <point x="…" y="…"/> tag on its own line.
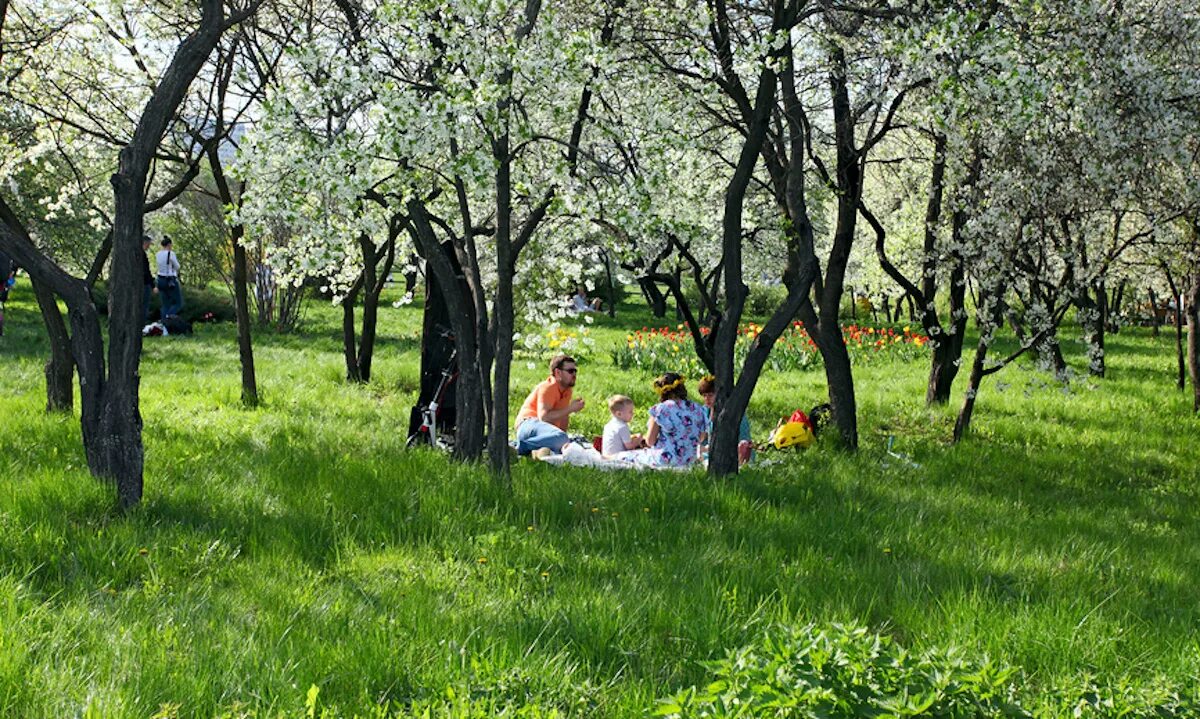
<point x="546" y="413"/>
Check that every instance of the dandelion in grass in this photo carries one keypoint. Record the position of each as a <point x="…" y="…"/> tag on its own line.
<point x="483" y="560"/>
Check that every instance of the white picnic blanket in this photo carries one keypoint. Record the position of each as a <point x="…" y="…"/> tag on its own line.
<point x="579" y="456"/>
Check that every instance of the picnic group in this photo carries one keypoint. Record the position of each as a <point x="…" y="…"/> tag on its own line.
<point x="677" y="430"/>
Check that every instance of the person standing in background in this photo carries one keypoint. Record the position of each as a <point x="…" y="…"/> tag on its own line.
<point x="168" y="279"/>
<point x="147" y="280"/>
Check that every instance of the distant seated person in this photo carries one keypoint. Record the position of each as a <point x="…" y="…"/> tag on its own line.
<point x="546" y="413"/>
<point x="581" y="303"/>
<point x="708" y="392"/>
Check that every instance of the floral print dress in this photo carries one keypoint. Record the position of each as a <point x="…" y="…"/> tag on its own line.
<point x="681" y="423"/>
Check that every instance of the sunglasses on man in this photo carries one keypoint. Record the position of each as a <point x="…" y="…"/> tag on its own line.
<point x="569" y="370"/>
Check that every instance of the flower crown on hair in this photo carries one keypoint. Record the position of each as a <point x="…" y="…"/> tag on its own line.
<point x="669" y="387"/>
<point x="708" y="378"/>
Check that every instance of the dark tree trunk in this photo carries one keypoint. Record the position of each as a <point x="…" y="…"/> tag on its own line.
<point x="1014" y="323"/>
<point x="1193" y="343"/>
<point x="829" y="339"/>
<point x="503" y="318"/>
<point x="508" y="249"/>
<point x="87" y="344"/>
<point x="1177" y="320"/>
<point x="1112" y="309"/>
<point x="654" y="297"/>
<point x="612" y="287"/>
<point x="410" y="276"/>
<point x="1050" y="351"/>
<point x="978" y="369"/>
<point x="60" y="368"/>
<point x="1154" y="320"/>
<point x="241" y="298"/>
<point x="350" y="333"/>
<point x="733" y="391"/>
<point x="358" y="349"/>
<point x="241" y="294"/>
<point x="1091" y="320"/>
<point x="118" y="428"/>
<point x="469" y="396"/>
<point x="963" y="423"/>
<point x="1181" y="381"/>
<point x="731" y="403"/>
<point x="947" y="352"/>
<point x="943" y="368"/>
<point x="374" y="279"/>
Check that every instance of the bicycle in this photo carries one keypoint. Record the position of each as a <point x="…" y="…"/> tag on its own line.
<point x="427" y="433"/>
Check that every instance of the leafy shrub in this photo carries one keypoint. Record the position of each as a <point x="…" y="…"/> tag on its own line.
<point x="763" y="300"/>
<point x="1084" y="698"/>
<point x="844" y="671"/>
<point x="197" y="302"/>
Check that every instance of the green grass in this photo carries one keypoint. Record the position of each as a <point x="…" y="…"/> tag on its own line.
<point x="300" y="544"/>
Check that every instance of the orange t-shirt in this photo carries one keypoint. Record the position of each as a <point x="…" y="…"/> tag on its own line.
<point x="546" y="395"/>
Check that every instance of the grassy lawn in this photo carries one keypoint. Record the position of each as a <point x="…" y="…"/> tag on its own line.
<point x="300" y="545"/>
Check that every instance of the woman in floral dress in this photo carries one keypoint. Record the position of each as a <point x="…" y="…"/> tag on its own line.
<point x="676" y="427"/>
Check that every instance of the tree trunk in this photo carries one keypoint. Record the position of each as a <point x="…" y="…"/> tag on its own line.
<point x="947" y="352"/>
<point x="87" y="343"/>
<point x="1193" y="343"/>
<point x="943" y="368"/>
<point x="1050" y="351"/>
<point x="410" y="276"/>
<point x="241" y="299"/>
<point x="470" y="396"/>
<point x="502" y="316"/>
<point x="963" y="423"/>
<point x="654" y="298"/>
<point x="349" y="333"/>
<point x="1112" y="309"/>
<point x="118" y="452"/>
<point x="374" y="278"/>
<point x="119" y="426"/>
<point x="241" y="294"/>
<point x="60" y="368"/>
<point x="1091" y="319"/>
<point x="832" y="345"/>
<point x="1154" y="322"/>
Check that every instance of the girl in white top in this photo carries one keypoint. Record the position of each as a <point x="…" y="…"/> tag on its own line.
<point x="168" y="263"/>
<point x="617" y="438"/>
<point x="168" y="279"/>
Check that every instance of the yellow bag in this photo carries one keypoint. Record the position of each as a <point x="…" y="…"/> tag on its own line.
<point x="793" y="434"/>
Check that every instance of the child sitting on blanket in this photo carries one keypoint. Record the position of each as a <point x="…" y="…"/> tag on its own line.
<point x="617" y="438"/>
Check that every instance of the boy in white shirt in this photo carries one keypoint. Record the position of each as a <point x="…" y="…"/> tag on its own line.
<point x="617" y="438"/>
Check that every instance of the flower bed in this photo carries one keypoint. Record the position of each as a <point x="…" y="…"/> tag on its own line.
<point x="663" y="349"/>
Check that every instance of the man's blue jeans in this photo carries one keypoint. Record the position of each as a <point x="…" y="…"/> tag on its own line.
<point x="534" y="434"/>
